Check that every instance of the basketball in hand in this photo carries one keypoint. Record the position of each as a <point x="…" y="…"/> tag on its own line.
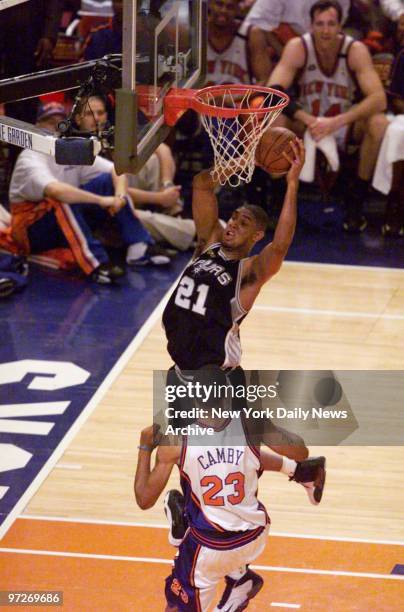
<point x="273" y="143"/>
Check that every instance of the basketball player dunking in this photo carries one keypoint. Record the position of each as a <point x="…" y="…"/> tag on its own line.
<point x="220" y="285"/>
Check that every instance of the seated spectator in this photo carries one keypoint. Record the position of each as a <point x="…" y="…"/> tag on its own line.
<point x="232" y="57"/>
<point x="152" y="187"/>
<point x="154" y="183"/>
<point x="58" y="206"/>
<point x="275" y="22"/>
<point x="326" y="65"/>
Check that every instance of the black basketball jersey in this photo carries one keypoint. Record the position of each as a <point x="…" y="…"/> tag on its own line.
<point x="202" y="317"/>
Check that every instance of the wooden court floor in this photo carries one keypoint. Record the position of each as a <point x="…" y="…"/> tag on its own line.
<point x="82" y="531"/>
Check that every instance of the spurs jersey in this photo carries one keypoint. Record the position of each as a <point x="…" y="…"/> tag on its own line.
<point x="202" y="317"/>
<point x="230" y="65"/>
<point x="220" y="484"/>
<point x="326" y="94"/>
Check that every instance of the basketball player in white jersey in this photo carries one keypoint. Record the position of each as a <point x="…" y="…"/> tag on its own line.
<point x="227" y="525"/>
<point x="230" y="57"/>
<point x="329" y="68"/>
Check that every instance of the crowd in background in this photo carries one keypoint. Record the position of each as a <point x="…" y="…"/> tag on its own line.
<point x="249" y="42"/>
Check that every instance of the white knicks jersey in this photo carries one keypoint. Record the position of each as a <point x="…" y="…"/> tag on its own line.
<point x="230" y="66"/>
<point x="220" y="481"/>
<point x="322" y="93"/>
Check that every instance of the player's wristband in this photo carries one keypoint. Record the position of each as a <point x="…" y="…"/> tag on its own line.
<point x="145" y="447"/>
<point x="293" y="106"/>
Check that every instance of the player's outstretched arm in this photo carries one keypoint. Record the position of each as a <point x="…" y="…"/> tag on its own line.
<point x="269" y="261"/>
<point x="149" y="483"/>
<point x="205" y="209"/>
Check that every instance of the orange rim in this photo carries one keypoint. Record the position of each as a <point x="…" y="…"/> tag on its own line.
<point x="206" y="101"/>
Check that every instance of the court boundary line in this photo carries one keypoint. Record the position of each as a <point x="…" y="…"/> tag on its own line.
<point x="88" y="409"/>
<point x="268" y="568"/>
<point x="160" y="526"/>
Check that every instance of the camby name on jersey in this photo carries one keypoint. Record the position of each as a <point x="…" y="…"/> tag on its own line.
<point x="224" y="454"/>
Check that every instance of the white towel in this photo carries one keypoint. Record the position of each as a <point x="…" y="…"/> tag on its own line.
<point x="328" y="145"/>
<point x="392" y="150"/>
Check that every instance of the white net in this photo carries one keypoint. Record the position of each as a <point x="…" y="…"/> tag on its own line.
<point x="235" y="139"/>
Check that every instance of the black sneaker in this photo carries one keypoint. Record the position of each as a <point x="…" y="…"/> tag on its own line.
<point x="238" y="593"/>
<point x="154" y="255"/>
<point x="106" y="274"/>
<point x="174" y="510"/>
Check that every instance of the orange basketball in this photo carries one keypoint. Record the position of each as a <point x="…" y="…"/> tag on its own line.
<point x="268" y="155"/>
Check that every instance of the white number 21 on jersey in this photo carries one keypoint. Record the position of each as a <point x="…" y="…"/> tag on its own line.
<point x="192" y="297"/>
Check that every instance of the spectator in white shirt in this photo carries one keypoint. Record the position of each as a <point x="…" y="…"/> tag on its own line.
<point x="55" y="206"/>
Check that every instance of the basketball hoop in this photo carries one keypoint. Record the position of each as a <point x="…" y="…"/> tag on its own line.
<point x="235" y="117"/>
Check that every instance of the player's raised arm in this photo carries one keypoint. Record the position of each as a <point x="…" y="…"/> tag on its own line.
<point x="149" y="483"/>
<point x="269" y="261"/>
<point x="205" y="209"/>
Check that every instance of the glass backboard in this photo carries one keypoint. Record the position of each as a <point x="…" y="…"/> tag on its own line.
<point x="164" y="47"/>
